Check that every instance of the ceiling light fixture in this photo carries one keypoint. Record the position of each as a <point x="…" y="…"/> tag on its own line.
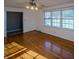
<point x="32" y="5"/>
<point x="36" y="8"/>
<point x="32" y="8"/>
<point x="27" y="7"/>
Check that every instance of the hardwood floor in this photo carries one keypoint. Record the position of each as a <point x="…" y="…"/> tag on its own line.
<point x="47" y="45"/>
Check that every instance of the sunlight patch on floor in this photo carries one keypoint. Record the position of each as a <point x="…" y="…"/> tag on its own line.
<point x="11" y="49"/>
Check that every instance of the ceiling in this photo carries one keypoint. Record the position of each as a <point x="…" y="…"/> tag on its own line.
<point x="46" y="3"/>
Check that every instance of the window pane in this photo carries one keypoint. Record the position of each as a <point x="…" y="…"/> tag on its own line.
<point x="68" y="21"/>
<point x="69" y="26"/>
<point x="56" y="14"/>
<point x="56" y="22"/>
<point x="68" y="18"/>
<point x="68" y="13"/>
<point x="47" y="22"/>
<point x="47" y="14"/>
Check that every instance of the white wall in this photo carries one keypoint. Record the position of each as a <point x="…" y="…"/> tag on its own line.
<point x="28" y="19"/>
<point x="63" y="33"/>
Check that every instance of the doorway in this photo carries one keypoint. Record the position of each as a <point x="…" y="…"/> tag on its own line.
<point x="14" y="23"/>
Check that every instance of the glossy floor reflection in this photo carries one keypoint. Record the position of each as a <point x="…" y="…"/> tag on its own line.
<point x="47" y="45"/>
<point x="13" y="48"/>
<point x="57" y="49"/>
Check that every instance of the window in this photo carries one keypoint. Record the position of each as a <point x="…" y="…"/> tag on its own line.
<point x="48" y="22"/>
<point x="56" y="18"/>
<point x="47" y="14"/>
<point x="67" y="19"/>
<point x="60" y="18"/>
<point x="47" y="18"/>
